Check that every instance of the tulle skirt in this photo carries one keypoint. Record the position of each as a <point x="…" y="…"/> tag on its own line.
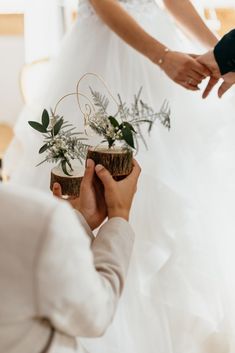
<point x="179" y="292"/>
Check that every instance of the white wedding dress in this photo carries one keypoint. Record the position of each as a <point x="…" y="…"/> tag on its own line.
<point x="180" y="287"/>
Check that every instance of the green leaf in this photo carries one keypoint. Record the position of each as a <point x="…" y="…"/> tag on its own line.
<point x="129" y="126"/>
<point x="110" y="142"/>
<point x="57" y="127"/>
<point x="64" y="167"/>
<point x="128" y="136"/>
<point x="69" y="164"/>
<point x="113" y="121"/>
<point x="44" y="148"/>
<point x="37" y="126"/>
<point x="45" y="118"/>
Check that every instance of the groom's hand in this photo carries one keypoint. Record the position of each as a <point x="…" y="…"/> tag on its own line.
<point x="91" y="203"/>
<point x="209" y="61"/>
<point x="119" y="194"/>
<point x="229" y="81"/>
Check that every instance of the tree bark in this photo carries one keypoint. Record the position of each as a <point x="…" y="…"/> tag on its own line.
<point x="70" y="185"/>
<point x="119" y="162"/>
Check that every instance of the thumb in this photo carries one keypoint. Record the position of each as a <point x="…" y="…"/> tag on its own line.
<point x="57" y="190"/>
<point x="223" y="88"/>
<point x="104" y="175"/>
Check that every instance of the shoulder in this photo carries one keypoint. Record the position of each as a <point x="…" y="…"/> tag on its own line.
<point x="27" y="207"/>
<point x="27" y="198"/>
<point x="232" y="33"/>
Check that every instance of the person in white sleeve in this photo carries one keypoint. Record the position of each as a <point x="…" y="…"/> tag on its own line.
<point x="58" y="282"/>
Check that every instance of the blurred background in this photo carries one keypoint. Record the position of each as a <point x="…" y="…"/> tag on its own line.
<point x="30" y="35"/>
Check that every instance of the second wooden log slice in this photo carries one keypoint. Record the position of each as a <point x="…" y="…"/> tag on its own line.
<point x="118" y="161"/>
<point x="70" y="185"/>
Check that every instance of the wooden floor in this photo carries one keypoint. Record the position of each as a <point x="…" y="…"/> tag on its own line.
<point x="6" y="135"/>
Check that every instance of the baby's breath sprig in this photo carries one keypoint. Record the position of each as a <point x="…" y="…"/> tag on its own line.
<point x="62" y="143"/>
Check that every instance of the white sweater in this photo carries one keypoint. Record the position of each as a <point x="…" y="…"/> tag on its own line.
<point x="52" y="275"/>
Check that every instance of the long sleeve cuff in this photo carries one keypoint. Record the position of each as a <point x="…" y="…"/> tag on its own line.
<point x="224" y="53"/>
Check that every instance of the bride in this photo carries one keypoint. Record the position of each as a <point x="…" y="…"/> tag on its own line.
<point x="178" y="297"/>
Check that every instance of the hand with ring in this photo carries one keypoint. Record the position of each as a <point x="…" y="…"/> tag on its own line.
<point x="184" y="69"/>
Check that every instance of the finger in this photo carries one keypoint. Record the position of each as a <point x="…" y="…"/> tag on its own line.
<point x="135" y="171"/>
<point x="224" y="88"/>
<point x="89" y="173"/>
<point x="201" y="69"/>
<point x="195" y="78"/>
<point x="192" y="83"/>
<point x="211" y="84"/>
<point x="104" y="175"/>
<point x="57" y="190"/>
<point x="188" y="86"/>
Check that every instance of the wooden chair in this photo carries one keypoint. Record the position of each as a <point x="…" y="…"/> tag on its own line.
<point x="6" y="135"/>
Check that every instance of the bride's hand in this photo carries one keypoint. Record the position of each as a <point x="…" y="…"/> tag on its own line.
<point x="184" y="70"/>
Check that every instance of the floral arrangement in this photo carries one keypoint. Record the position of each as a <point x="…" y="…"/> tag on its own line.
<point x="61" y="142"/>
<point x="125" y="125"/>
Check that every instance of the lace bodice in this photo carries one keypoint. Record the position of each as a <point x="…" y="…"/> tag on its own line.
<point x="86" y="9"/>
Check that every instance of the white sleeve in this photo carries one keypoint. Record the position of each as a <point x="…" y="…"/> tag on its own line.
<point x="76" y="291"/>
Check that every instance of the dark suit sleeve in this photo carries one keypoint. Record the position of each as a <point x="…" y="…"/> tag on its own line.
<point x="225" y="53"/>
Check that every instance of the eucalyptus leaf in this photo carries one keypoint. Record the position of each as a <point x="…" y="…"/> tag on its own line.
<point x="69" y="164"/>
<point x="129" y="126"/>
<point x="45" y="119"/>
<point x="113" y="121"/>
<point x="37" y="126"/>
<point x="57" y="127"/>
<point x="128" y="136"/>
<point x="110" y="142"/>
<point x="44" y="148"/>
<point x="64" y="167"/>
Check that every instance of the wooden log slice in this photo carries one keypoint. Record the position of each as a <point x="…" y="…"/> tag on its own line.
<point x="117" y="161"/>
<point x="70" y="185"/>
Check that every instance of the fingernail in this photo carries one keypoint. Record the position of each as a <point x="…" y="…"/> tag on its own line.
<point x="99" y="167"/>
<point x="56" y="186"/>
<point x="89" y="163"/>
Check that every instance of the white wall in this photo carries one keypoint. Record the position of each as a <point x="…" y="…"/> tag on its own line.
<point x="11" y="62"/>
